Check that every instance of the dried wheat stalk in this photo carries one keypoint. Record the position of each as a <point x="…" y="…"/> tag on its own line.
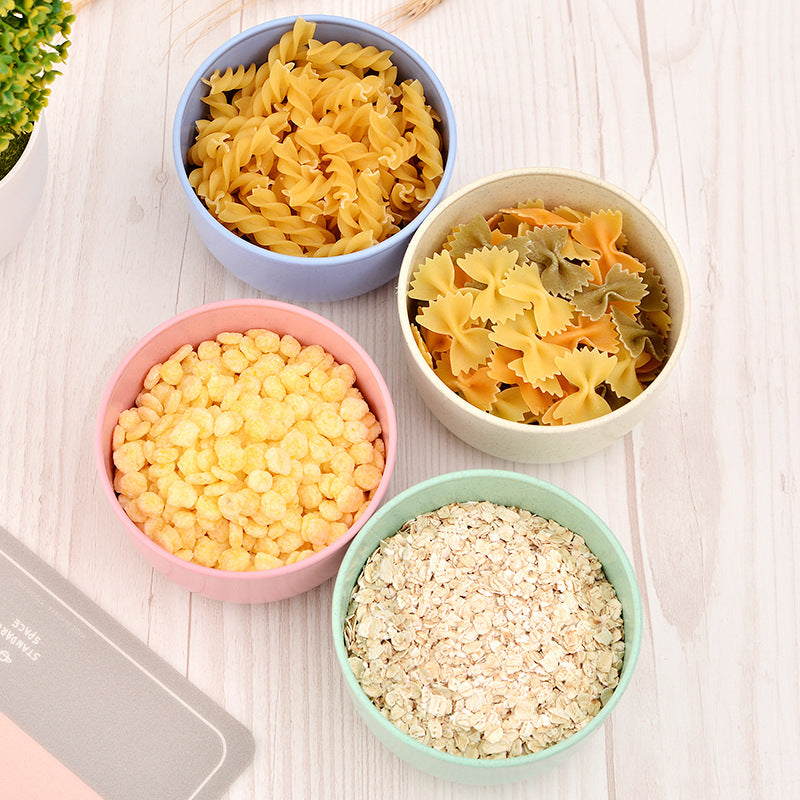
<point x="409" y="11"/>
<point x="399" y="15"/>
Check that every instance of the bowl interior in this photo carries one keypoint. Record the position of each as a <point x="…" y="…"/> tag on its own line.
<point x="504" y="488"/>
<point x="648" y="240"/>
<point x="206" y="322"/>
<point x="252" y="46"/>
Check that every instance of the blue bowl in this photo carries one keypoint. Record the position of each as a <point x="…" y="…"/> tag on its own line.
<point x="301" y="278"/>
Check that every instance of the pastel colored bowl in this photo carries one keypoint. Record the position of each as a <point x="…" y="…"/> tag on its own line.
<point x="504" y="488"/>
<point x="193" y="327"/>
<point x="647" y="240"/>
<point x="306" y="279"/>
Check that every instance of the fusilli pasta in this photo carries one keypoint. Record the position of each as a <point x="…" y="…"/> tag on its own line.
<point x="318" y="151"/>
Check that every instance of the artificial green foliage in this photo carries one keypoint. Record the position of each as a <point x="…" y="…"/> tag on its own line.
<point x="12" y="153"/>
<point x="33" y="40"/>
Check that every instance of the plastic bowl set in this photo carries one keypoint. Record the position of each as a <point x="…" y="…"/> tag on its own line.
<point x="246" y="446"/>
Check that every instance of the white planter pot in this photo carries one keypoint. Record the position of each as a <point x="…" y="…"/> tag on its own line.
<point x="22" y="189"/>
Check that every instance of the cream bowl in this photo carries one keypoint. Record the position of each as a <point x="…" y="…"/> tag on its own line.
<point x="193" y="327"/>
<point x="647" y="240"/>
<point x="509" y="489"/>
<point x="300" y="278"/>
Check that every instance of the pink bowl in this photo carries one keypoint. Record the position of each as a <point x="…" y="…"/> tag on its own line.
<point x="194" y="326"/>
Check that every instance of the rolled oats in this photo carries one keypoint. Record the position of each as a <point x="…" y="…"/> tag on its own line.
<point x="485" y="631"/>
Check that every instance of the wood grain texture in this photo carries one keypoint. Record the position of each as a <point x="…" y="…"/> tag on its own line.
<point x="694" y="108"/>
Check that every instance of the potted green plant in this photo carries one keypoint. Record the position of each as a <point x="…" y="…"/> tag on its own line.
<point x="33" y="41"/>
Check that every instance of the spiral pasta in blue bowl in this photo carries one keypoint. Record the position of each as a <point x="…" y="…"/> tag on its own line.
<point x="309" y="150"/>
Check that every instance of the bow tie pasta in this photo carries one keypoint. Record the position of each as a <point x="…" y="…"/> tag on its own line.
<point x="549" y="319"/>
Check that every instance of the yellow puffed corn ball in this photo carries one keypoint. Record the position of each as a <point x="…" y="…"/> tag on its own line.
<point x="169" y="539"/>
<point x="273" y="506"/>
<point x="227" y="422"/>
<point x="337" y="529"/>
<point x="328" y="422"/>
<point x="267" y="561"/>
<point x="293" y="520"/>
<point x="207" y="551"/>
<point x="310" y="496"/>
<point x="249" y="349"/>
<point x="334" y="390"/>
<point x="309" y="357"/>
<point x="190" y="387"/>
<point x="274" y="388"/>
<point x="171" y="372"/>
<point x="260" y="480"/>
<point x="355" y="431"/>
<point x="367" y="477"/>
<point x="183" y="520"/>
<point x="300" y="405"/>
<point x="350" y="499"/>
<point x="208" y="508"/>
<point x="265" y="341"/>
<point x="234" y="558"/>
<point x="353" y="408"/>
<point x="181" y="494"/>
<point x="184" y="433"/>
<point x="230" y="337"/>
<point x="247" y="452"/>
<point x="298" y="555"/>
<point x="129" y="457"/>
<point x="151" y="503"/>
<point x="295" y="444"/>
<point x="218" y="385"/>
<point x="289" y="347"/>
<point x="329" y="511"/>
<point x="208" y="350"/>
<point x="235" y="535"/>
<point x="361" y="452"/>
<point x="289" y="542"/>
<point x="293" y="381"/>
<point x="317" y="378"/>
<point x="278" y="461"/>
<point x="235" y="360"/>
<point x="117" y="438"/>
<point x="230" y="505"/>
<point x="230" y="453"/>
<point x="129" y="418"/>
<point x="316" y="530"/>
<point x="342" y="462"/>
<point x="131" y="484"/>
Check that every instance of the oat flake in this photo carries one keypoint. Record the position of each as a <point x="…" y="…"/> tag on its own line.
<point x="485" y="631"/>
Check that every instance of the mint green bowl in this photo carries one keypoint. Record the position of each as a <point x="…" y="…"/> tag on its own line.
<point x="503" y="488"/>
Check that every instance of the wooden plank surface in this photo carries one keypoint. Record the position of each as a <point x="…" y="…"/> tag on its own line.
<point x="693" y="108"/>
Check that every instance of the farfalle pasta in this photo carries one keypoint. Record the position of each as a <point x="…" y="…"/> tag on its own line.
<point x="541" y="316"/>
<point x="319" y="151"/>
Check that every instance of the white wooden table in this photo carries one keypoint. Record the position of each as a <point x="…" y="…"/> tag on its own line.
<point x="692" y="107"/>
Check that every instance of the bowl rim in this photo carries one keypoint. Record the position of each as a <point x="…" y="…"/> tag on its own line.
<point x="339" y="609"/>
<point x="539" y="431"/>
<point x="300" y="262"/>
<point x="101" y="453"/>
